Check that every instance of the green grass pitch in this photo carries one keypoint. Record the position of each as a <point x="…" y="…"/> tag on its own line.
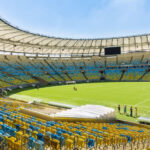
<point x="107" y="93"/>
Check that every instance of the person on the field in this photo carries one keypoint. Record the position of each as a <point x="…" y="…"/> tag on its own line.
<point x="125" y="109"/>
<point x="136" y="112"/>
<point x="75" y="89"/>
<point x="131" y="111"/>
<point x="119" y="109"/>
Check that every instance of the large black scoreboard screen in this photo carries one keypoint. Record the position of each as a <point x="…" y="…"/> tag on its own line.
<point x="112" y="50"/>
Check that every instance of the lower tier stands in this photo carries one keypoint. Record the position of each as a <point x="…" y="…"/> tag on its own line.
<point x="19" y="131"/>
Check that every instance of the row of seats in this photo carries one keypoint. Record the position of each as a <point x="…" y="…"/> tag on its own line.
<point x="21" y="71"/>
<point x="18" y="131"/>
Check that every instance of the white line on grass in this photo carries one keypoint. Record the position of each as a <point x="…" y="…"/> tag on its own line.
<point x="31" y="98"/>
<point x="142" y="102"/>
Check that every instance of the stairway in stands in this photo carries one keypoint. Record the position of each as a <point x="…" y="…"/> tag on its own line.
<point x="40" y="80"/>
<point x="123" y="72"/>
<point x="147" y="70"/>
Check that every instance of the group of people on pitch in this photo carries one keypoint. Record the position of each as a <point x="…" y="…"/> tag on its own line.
<point x="131" y="111"/>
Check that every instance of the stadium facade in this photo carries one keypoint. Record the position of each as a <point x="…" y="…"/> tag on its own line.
<point x="34" y="60"/>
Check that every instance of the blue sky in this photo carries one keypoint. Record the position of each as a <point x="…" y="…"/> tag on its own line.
<point x="79" y="18"/>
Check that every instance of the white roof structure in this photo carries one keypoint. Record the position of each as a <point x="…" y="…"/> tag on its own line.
<point x="88" y="111"/>
<point x="13" y="39"/>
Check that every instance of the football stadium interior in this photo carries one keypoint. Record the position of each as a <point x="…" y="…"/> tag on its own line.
<point x="33" y="61"/>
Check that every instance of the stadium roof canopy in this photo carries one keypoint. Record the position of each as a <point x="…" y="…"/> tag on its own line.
<point x="13" y="39"/>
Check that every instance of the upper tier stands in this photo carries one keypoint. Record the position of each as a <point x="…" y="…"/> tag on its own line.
<point x="20" y="70"/>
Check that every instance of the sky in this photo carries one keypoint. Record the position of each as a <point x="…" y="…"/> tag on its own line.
<point x="79" y="18"/>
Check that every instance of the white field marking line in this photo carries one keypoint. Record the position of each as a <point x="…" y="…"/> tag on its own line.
<point x="29" y="98"/>
<point x="75" y="98"/>
<point x="146" y="100"/>
<point x="25" y="97"/>
<point x="148" y="111"/>
<point x="68" y="97"/>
